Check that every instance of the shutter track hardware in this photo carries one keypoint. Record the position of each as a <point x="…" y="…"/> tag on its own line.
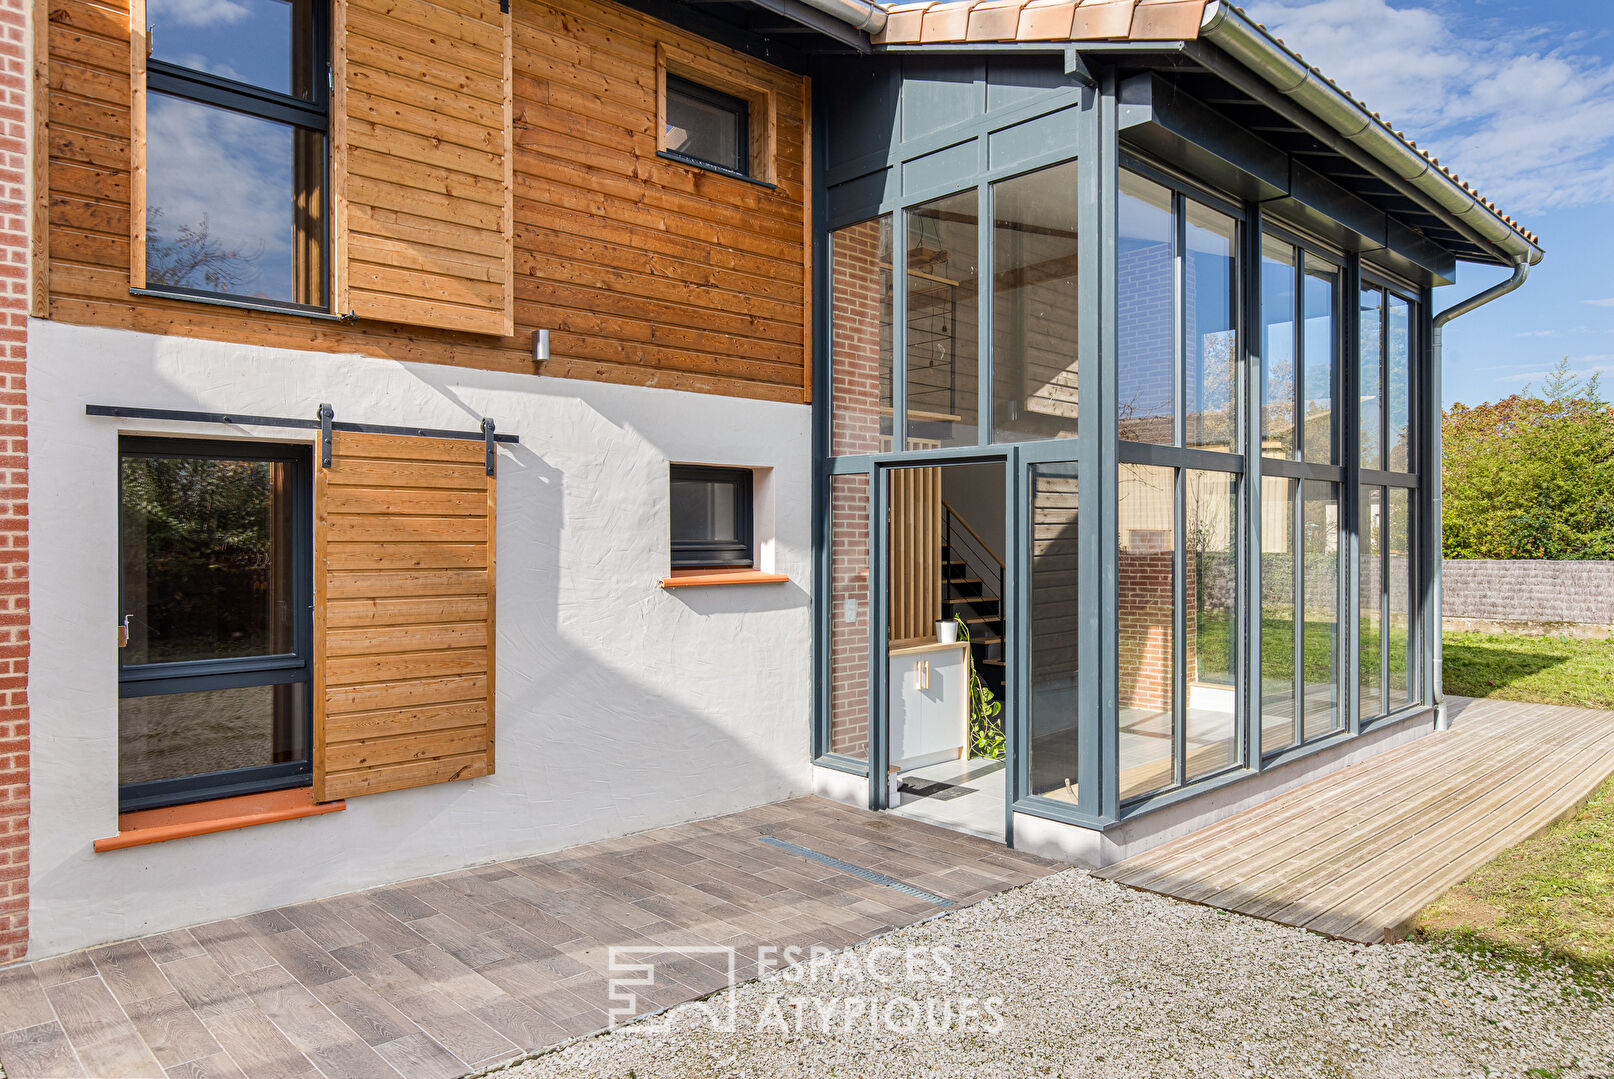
<point x="325" y="424"/>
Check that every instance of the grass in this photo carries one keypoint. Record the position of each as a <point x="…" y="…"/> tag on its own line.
<point x="1551" y="897"/>
<point x="1542" y="670"/>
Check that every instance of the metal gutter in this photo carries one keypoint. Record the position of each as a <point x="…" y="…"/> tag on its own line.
<point x="858" y="14"/>
<point x="1521" y="270"/>
<point x="1231" y="31"/>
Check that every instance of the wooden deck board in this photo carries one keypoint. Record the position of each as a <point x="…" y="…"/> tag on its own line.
<point x="1356" y="854"/>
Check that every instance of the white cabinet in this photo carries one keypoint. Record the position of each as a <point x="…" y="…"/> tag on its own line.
<point x="929" y="689"/>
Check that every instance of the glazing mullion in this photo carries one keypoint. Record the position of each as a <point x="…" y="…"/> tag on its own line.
<point x="899" y="330"/>
<point x="1179" y="644"/>
<point x="985" y="303"/>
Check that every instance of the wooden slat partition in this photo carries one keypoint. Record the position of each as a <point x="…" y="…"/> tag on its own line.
<point x="403" y="599"/>
<point x="916" y="543"/>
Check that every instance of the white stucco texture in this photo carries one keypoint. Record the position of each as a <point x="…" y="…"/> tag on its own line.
<point x="620" y="706"/>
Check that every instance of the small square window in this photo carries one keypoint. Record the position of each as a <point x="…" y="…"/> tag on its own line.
<point x="707" y="127"/>
<point x="711" y="517"/>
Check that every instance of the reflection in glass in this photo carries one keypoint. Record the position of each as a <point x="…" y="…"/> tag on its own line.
<point x="1370" y="315"/>
<point x="1279" y="499"/>
<point x="175" y="735"/>
<point x="849" y="616"/>
<point x="1146" y="297"/>
<point x="1369" y="603"/>
<point x="706" y="125"/>
<point x="1398" y="381"/>
<point x="1034" y="305"/>
<point x="1403" y="599"/>
<point x="860" y="337"/>
<point x="1055" y="614"/>
<point x="703" y="511"/>
<point x="1211" y="570"/>
<point x="1145" y="520"/>
<point x="265" y="43"/>
<point x="1318" y="360"/>
<point x="207" y="567"/>
<point x="234" y="203"/>
<point x="1210" y="310"/>
<point x="1320" y="600"/>
<point x="1278" y="358"/>
<point x="943" y="293"/>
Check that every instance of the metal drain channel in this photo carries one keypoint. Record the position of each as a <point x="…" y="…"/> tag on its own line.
<point x="858" y="871"/>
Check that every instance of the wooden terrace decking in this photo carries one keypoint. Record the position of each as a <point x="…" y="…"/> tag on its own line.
<point x="1357" y="854"/>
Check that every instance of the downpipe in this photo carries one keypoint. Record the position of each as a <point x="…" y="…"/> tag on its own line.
<point x="1521" y="270"/>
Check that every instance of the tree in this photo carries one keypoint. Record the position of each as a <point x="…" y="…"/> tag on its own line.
<point x="1531" y="476"/>
<point x="194" y="258"/>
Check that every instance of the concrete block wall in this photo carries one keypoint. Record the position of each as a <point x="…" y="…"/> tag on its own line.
<point x="1529" y="590"/>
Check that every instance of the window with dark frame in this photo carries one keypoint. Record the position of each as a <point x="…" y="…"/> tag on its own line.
<point x="237" y="115"/>
<point x="711" y="518"/>
<point x="708" y="127"/>
<point x="215" y="589"/>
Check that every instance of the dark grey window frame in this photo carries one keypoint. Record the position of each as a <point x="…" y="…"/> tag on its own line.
<point x="715" y="554"/>
<point x="312" y="113"/>
<point x="737" y="107"/>
<point x="235" y="672"/>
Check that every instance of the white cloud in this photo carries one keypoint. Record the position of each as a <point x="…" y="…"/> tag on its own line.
<point x="197" y="12"/>
<point x="1601" y="303"/>
<point x="1579" y="367"/>
<point x="1516" y="111"/>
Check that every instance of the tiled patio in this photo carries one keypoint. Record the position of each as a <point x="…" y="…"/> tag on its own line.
<point x="449" y="974"/>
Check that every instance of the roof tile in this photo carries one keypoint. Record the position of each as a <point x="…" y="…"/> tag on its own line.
<point x="1102" y="21"/>
<point x="1167" y="20"/>
<point x="945" y="22"/>
<point x="995" y="20"/>
<point x="1047" y="20"/>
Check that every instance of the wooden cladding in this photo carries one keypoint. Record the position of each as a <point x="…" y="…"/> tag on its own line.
<point x="916" y="551"/>
<point x="421" y="139"/>
<point x="644" y="271"/>
<point x="403" y="601"/>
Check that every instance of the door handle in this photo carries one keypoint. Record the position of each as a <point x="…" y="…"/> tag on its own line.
<point x="123" y="631"/>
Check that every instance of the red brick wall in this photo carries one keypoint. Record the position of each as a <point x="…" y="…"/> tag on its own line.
<point x="13" y="482"/>
<point x="849" y="615"/>
<point x="1145" y="628"/>
<point x="860" y="337"/>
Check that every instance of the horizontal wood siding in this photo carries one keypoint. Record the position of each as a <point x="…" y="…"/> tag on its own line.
<point x="404" y="608"/>
<point x="646" y="271"/>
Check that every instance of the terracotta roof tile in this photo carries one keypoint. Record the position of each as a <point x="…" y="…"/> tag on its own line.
<point x="1102" y="20"/>
<point x="1047" y="20"/>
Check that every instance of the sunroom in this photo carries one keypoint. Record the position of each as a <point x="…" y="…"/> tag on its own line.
<point x="1126" y="481"/>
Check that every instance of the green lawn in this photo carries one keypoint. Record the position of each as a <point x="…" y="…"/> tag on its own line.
<point x="1542" y="670"/>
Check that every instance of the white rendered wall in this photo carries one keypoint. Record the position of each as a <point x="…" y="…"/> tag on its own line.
<point x="620" y="706"/>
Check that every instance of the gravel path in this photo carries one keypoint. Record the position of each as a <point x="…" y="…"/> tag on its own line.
<point x="1097" y="981"/>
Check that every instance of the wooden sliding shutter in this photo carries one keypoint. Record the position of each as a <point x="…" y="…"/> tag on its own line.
<point x="916" y="548"/>
<point x="403" y="614"/>
<point x="422" y="114"/>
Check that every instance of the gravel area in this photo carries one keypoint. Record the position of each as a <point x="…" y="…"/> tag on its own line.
<point x="1096" y="980"/>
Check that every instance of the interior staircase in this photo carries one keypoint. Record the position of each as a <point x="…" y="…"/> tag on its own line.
<point x="972" y="589"/>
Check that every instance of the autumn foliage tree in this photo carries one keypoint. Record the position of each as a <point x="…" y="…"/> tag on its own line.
<point x="1531" y="476"/>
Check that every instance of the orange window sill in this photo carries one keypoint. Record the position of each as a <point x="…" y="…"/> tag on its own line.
<point x="705" y="578"/>
<point x="219" y="815"/>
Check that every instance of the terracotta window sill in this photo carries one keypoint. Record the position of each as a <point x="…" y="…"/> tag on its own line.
<point x="703" y="578"/>
<point x="220" y="815"/>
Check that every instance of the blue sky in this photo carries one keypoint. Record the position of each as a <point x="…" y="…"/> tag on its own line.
<point x="1517" y="97"/>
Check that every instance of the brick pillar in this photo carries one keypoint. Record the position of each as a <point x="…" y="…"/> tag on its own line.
<point x="14" y="170"/>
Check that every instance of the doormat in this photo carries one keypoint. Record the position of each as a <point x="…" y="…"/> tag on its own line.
<point x="932" y="788"/>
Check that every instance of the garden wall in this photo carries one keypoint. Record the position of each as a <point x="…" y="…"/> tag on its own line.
<point x="1539" y="593"/>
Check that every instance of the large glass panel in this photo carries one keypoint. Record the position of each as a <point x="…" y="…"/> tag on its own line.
<point x="1320" y="602"/>
<point x="1279" y="499"/>
<point x="1277" y="348"/>
<point x="1370" y="320"/>
<point x="943" y="338"/>
<point x="185" y="734"/>
<point x="234" y="203"/>
<point x="1319" y="360"/>
<point x="266" y="43"/>
<point x="849" y="616"/>
<point x="1034" y="305"/>
<point x="1398" y="381"/>
<point x="1055" y="615"/>
<point x="1403" y="598"/>
<point x="1369" y="603"/>
<point x="1145" y="303"/>
<point x="1211" y="582"/>
<point x="1210" y="310"/>
<point x="1145" y="519"/>
<point x="860" y="337"/>
<point x="207" y="558"/>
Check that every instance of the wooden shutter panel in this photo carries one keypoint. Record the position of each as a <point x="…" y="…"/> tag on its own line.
<point x="422" y="115"/>
<point x="403" y="614"/>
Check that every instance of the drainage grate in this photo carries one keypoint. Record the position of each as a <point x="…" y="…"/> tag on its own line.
<point x="858" y="871"/>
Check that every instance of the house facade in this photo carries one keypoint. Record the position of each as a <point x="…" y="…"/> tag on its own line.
<point x="458" y="430"/>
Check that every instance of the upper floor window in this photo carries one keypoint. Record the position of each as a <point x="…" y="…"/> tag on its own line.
<point x="237" y="103"/>
<point x="707" y="126"/>
<point x="1302" y="327"/>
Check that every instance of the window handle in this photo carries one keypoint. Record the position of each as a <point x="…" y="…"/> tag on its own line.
<point x="123" y="631"/>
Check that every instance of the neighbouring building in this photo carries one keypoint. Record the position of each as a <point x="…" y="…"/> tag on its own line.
<point x="458" y="429"/>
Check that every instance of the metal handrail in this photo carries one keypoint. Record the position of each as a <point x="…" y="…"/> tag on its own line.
<point x="983" y="562"/>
